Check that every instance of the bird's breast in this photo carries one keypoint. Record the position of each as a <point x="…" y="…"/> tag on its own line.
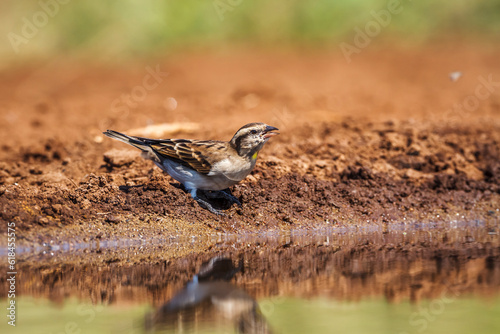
<point x="233" y="169"/>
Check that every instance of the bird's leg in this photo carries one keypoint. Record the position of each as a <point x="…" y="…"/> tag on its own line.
<point x="224" y="194"/>
<point x="204" y="204"/>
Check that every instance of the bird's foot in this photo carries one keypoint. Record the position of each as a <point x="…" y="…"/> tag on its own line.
<point x="223" y="194"/>
<point x="204" y="204"/>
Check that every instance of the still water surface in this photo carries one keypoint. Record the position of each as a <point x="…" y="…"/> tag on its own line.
<point x="432" y="279"/>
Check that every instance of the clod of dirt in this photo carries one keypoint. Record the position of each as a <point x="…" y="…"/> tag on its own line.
<point x="119" y="158"/>
<point x="112" y="219"/>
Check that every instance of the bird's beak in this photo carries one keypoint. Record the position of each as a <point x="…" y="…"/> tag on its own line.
<point x="268" y="131"/>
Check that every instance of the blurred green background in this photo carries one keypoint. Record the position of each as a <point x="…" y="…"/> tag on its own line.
<point x="130" y="28"/>
<point x="291" y="315"/>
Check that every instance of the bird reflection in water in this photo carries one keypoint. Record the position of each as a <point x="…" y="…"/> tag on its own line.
<point x="209" y="301"/>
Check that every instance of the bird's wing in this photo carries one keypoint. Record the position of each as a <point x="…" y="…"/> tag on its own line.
<point x="190" y="153"/>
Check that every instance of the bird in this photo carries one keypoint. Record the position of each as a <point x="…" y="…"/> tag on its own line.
<point x="208" y="165"/>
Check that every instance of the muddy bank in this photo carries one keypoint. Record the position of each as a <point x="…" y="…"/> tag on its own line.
<point x="384" y="176"/>
<point x="375" y="142"/>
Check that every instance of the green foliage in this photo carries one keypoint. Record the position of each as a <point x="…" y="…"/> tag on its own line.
<point x="128" y="27"/>
<point x="285" y="315"/>
<point x="377" y="316"/>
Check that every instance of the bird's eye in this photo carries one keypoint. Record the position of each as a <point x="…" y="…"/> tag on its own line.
<point x="253" y="132"/>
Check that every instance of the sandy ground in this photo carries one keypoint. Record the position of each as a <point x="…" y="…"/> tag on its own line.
<point x="386" y="138"/>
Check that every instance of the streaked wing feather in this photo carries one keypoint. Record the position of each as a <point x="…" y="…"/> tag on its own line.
<point x="184" y="152"/>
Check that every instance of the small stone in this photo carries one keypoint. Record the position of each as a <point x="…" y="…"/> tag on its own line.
<point x="383" y="167"/>
<point x="86" y="204"/>
<point x="415" y="174"/>
<point x="35" y="170"/>
<point x="57" y="208"/>
<point x="449" y="171"/>
<point x="414" y="149"/>
<point x="251" y="179"/>
<point x="454" y="76"/>
<point x="321" y="163"/>
<point x="472" y="172"/>
<point x="251" y="101"/>
<point x="54" y="177"/>
<point x="112" y="219"/>
<point x="170" y="104"/>
<point x="394" y="141"/>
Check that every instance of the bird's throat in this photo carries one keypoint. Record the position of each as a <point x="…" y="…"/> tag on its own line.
<point x="254" y="156"/>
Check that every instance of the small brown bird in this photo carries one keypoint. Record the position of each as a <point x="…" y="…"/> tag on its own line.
<point x="205" y="164"/>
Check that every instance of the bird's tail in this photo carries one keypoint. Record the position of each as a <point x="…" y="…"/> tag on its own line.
<point x="134" y="141"/>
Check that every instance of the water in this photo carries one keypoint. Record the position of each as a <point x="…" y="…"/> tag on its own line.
<point x="416" y="279"/>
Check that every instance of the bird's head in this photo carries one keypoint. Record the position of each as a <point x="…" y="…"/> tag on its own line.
<point x="248" y="140"/>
